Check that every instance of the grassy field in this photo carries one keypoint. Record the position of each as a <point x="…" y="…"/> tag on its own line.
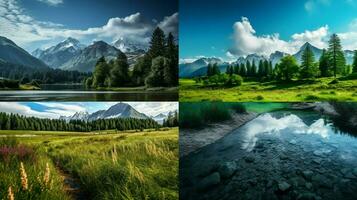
<point x="295" y="91"/>
<point x="106" y="164"/>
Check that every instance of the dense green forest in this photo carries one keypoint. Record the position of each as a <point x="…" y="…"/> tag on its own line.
<point x="331" y="63"/>
<point x="18" y="122"/>
<point x="25" y="75"/>
<point x="157" y="68"/>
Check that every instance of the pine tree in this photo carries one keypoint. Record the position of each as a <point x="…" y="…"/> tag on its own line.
<point x="249" y="68"/>
<point x="171" y="72"/>
<point x="101" y="72"/>
<point x="236" y="69"/>
<point x="243" y="70"/>
<point x="119" y="74"/>
<point x="261" y="70"/>
<point x="336" y="56"/>
<point x="157" y="43"/>
<point x="354" y="65"/>
<point x="209" y="70"/>
<point x="308" y="69"/>
<point x="156" y="77"/>
<point x="324" y="64"/>
<point x="254" y="69"/>
<point x="215" y="69"/>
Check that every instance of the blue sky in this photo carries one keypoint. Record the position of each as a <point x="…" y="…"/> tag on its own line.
<point x="54" y="110"/>
<point x="233" y="28"/>
<point x="42" y="23"/>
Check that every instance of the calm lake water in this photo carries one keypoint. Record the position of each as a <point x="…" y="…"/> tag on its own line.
<point x="80" y="93"/>
<point x="278" y="155"/>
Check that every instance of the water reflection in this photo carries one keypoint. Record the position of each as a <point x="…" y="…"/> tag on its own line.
<point x="268" y="124"/>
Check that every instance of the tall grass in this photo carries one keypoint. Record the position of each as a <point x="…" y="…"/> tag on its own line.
<point x="196" y="115"/>
<point x="115" y="167"/>
<point x="21" y="167"/>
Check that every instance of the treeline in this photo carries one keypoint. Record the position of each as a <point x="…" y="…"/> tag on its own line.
<point x="157" y="68"/>
<point x="44" y="76"/>
<point x="171" y="120"/>
<point x="331" y="63"/>
<point x="18" y="122"/>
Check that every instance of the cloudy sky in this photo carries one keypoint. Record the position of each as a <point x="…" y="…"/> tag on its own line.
<point x="35" y="24"/>
<point x="54" y="110"/>
<point x="238" y="27"/>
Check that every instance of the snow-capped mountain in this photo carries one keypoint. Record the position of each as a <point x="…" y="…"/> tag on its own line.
<point x="77" y="116"/>
<point x="130" y="46"/>
<point x="160" y="118"/>
<point x="276" y="57"/>
<point x="87" y="58"/>
<point x="59" y="54"/>
<point x="119" y="110"/>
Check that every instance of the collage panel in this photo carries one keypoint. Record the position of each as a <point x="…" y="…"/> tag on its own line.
<point x="60" y="50"/>
<point x="89" y="150"/>
<point x="268" y="150"/>
<point x="268" y="51"/>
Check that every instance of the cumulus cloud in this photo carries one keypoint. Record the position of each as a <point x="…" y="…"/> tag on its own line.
<point x="25" y="30"/>
<point x="52" y="2"/>
<point x="170" y="24"/>
<point x="246" y="41"/>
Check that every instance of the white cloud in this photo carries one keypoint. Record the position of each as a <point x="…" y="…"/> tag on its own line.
<point x="170" y="24"/>
<point x="311" y="4"/>
<point x="18" y="108"/>
<point x="52" y="2"/>
<point x="24" y="30"/>
<point x="154" y="108"/>
<point x="246" y="41"/>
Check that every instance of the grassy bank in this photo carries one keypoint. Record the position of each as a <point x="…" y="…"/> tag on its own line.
<point x="109" y="165"/>
<point x="295" y="91"/>
<point x="141" y="88"/>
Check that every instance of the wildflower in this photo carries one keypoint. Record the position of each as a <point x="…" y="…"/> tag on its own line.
<point x="24" y="182"/>
<point x="46" y="177"/>
<point x="10" y="194"/>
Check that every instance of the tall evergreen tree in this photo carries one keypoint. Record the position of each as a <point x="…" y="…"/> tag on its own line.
<point x="243" y="70"/>
<point x="209" y="69"/>
<point x="100" y="73"/>
<point x="249" y="68"/>
<point x="236" y="69"/>
<point x="254" y="69"/>
<point x="324" y="64"/>
<point x="215" y="69"/>
<point x="261" y="70"/>
<point x="171" y="71"/>
<point x="119" y="74"/>
<point x="157" y="44"/>
<point x="354" y="65"/>
<point x="156" y="77"/>
<point x="308" y="69"/>
<point x="336" y="57"/>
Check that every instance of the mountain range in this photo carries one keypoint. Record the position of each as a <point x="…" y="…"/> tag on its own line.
<point x="11" y="53"/>
<point x="199" y="66"/>
<point x="69" y="54"/>
<point x="119" y="110"/>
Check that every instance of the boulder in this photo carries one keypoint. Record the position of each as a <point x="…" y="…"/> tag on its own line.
<point x="227" y="169"/>
<point x="284" y="186"/>
<point x="307" y="174"/>
<point x="209" y="181"/>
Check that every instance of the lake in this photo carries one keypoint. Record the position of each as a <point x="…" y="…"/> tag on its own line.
<point x="284" y="154"/>
<point x="80" y="93"/>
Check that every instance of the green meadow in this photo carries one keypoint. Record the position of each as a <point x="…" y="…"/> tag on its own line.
<point x="94" y="165"/>
<point x="319" y="89"/>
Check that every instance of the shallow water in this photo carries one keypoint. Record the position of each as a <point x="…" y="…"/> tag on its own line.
<point x="278" y="155"/>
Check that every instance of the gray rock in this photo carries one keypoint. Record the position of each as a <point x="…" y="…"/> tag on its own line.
<point x="283" y="156"/>
<point x="307" y="174"/>
<point x="308" y="185"/>
<point x="322" y="181"/>
<point x="354" y="171"/>
<point x="249" y="159"/>
<point x="284" y="186"/>
<point x="209" y="181"/>
<point x="307" y="196"/>
<point x="227" y="169"/>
